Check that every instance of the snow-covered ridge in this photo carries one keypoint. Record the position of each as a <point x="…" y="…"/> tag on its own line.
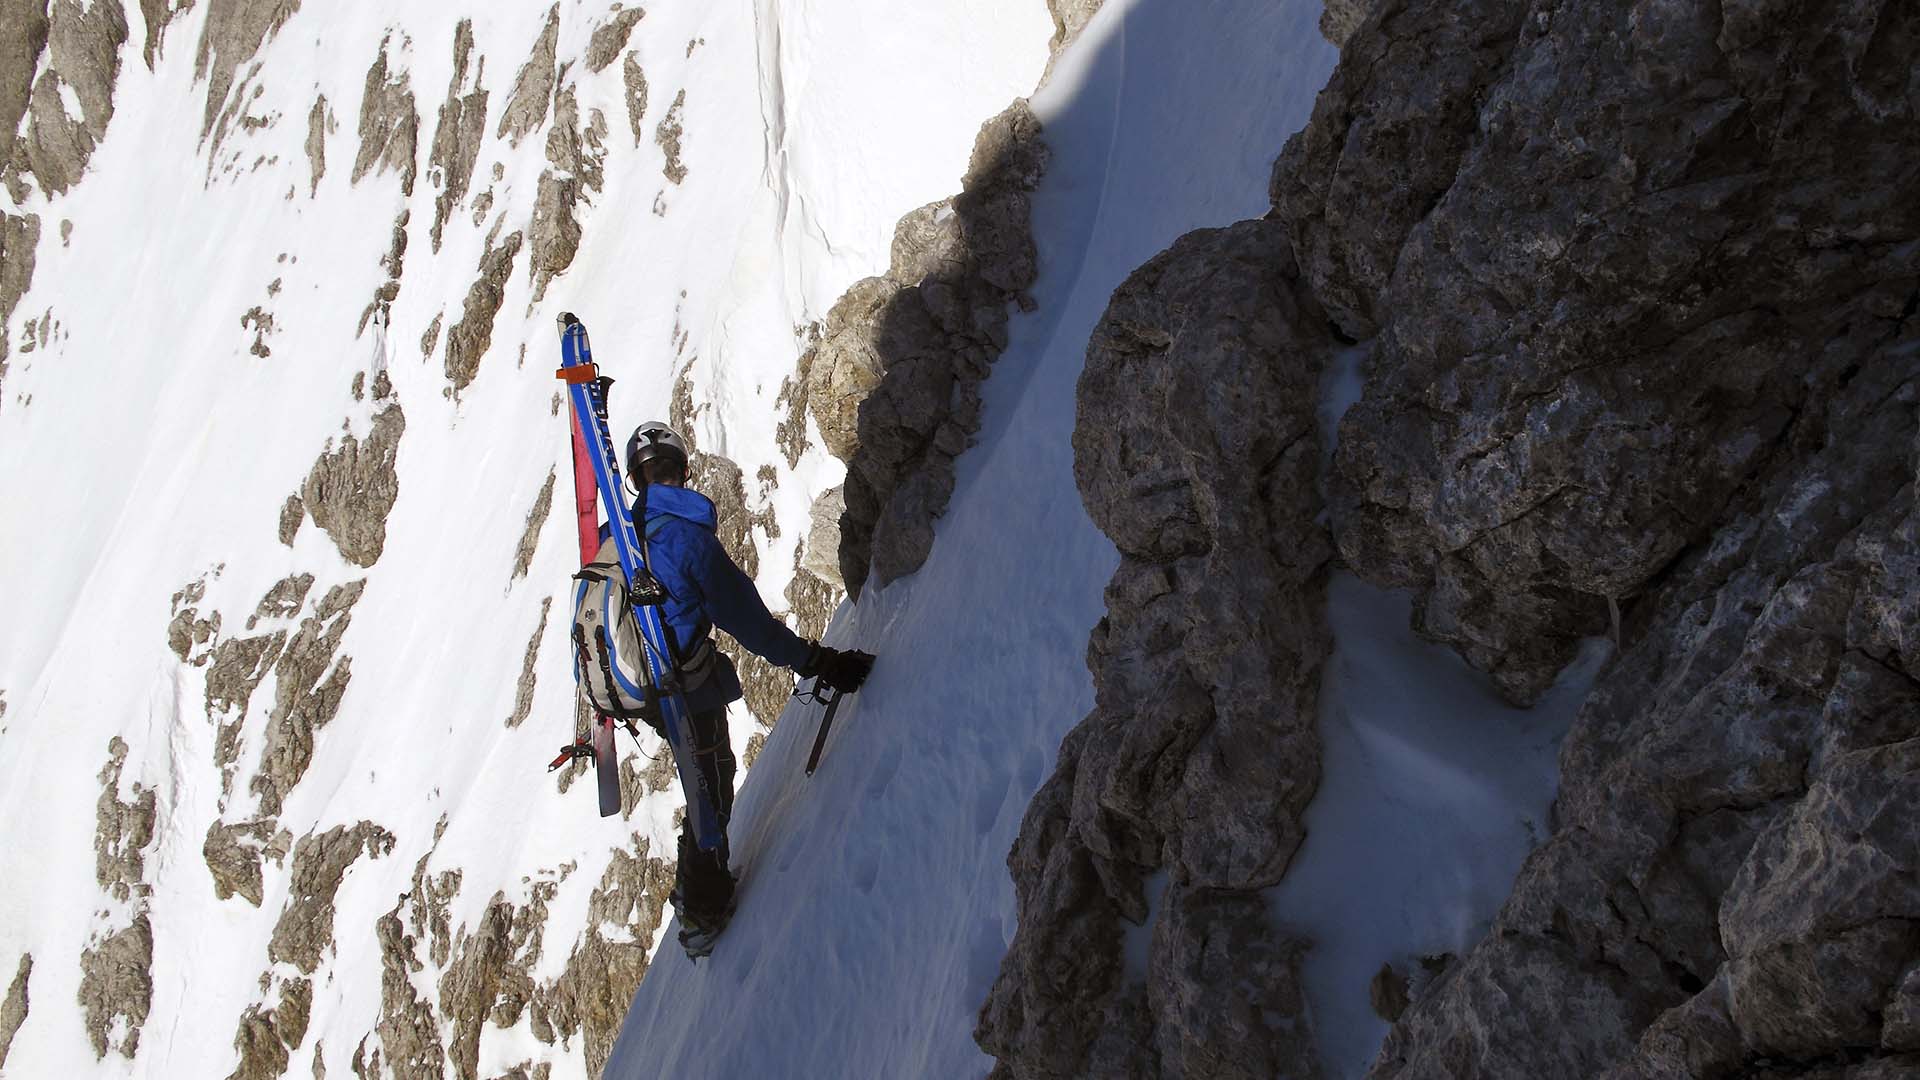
<point x="279" y="438"/>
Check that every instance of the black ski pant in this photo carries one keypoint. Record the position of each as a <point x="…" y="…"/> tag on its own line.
<point x="704" y="882"/>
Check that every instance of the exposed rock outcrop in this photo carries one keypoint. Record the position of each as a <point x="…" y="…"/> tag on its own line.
<point x="15" y="1006"/>
<point x="1593" y="333"/>
<point x="116" y="988"/>
<point x="353" y="486"/>
<point x="468" y="339"/>
<point x="536" y="520"/>
<point x="636" y="83"/>
<point x="82" y="60"/>
<point x="610" y="38"/>
<point x="667" y="137"/>
<point x="20" y="53"/>
<point x="1196" y="451"/>
<point x="526" y="107"/>
<point x="232" y="34"/>
<point x="457" y="135"/>
<point x="267" y="1038"/>
<point x="122" y="830"/>
<point x="893" y="382"/>
<point x="523" y="690"/>
<point x="389" y="126"/>
<point x="234" y="854"/>
<point x="320" y="860"/>
<point x="319" y="122"/>
<point x="308" y="687"/>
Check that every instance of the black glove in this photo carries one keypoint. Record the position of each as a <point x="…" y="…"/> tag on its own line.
<point x="844" y="671"/>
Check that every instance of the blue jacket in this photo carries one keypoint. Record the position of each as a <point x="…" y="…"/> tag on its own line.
<point x="705" y="586"/>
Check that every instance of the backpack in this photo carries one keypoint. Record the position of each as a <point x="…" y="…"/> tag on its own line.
<point x="609" y="652"/>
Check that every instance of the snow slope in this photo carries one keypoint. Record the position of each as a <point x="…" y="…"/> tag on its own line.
<point x="144" y="447"/>
<point x="876" y="904"/>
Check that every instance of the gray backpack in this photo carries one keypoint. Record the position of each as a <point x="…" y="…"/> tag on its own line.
<point x="609" y="652"/>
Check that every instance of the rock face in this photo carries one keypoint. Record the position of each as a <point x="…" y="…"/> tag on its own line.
<point x="82" y="59"/>
<point x="233" y="32"/>
<point x="611" y="37"/>
<point x="1593" y="334"/>
<point x="1639" y="286"/>
<point x="354" y="485"/>
<point x="526" y="107"/>
<point x="15" y="1006"/>
<point x="308" y="686"/>
<point x="320" y="861"/>
<point x="116" y="988"/>
<point x="457" y="135"/>
<point x="389" y="127"/>
<point x="1196" y="451"/>
<point x="536" y="520"/>
<point x="893" y="382"/>
<point x="468" y="339"/>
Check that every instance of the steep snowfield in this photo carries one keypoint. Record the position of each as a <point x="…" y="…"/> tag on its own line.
<point x="145" y="448"/>
<point x="876" y="904"/>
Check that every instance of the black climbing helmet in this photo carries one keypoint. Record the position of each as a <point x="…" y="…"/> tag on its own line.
<point x="652" y="441"/>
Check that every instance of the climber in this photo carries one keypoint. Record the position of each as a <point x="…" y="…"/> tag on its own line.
<point x="705" y="590"/>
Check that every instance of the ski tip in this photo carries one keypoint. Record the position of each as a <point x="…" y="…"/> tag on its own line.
<point x="567" y="319"/>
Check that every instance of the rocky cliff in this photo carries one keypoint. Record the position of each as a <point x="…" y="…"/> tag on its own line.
<point x="1638" y="285"/>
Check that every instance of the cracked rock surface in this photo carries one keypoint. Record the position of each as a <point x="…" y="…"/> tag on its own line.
<point x="1591" y="335"/>
<point x="1196" y="450"/>
<point x="894" y="380"/>
<point x="354" y="485"/>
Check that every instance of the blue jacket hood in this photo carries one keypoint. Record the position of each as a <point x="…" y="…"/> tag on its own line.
<point x="681" y="502"/>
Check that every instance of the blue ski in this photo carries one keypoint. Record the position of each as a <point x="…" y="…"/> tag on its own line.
<point x="586" y="394"/>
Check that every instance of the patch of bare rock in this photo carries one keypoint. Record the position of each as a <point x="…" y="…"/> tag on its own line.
<point x="1640" y="286"/>
<point x="1197" y="451"/>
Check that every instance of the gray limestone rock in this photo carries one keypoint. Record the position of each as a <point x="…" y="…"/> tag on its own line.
<point x="592" y="994"/>
<point x="636" y="84"/>
<point x="14" y="1008"/>
<point x="353" y="486"/>
<point x="458" y="134"/>
<point x="1196" y="450"/>
<point x="307" y="690"/>
<point x="389" y="127"/>
<point x="1823" y="921"/>
<point x="1747" y="717"/>
<point x="82" y="59"/>
<point x="292" y="513"/>
<point x="536" y="520"/>
<point x="304" y="931"/>
<point x="122" y="829"/>
<point x="116" y="988"/>
<point x="667" y="137"/>
<point x="408" y="1031"/>
<point x="316" y="145"/>
<point x="234" y="854"/>
<point x="554" y="235"/>
<point x="611" y="37"/>
<point x="266" y="1038"/>
<point x="489" y="980"/>
<point x="468" y="339"/>
<point x="526" y="107"/>
<point x="523" y="690"/>
<point x="820" y="554"/>
<point x="156" y="14"/>
<point x="232" y="34"/>
<point x="430" y="338"/>
<point x="20" y="52"/>
<point x="282" y="600"/>
<point x="1592" y="334"/>
<point x="189" y="635"/>
<point x="893" y="382"/>
<point x="1340" y="18"/>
